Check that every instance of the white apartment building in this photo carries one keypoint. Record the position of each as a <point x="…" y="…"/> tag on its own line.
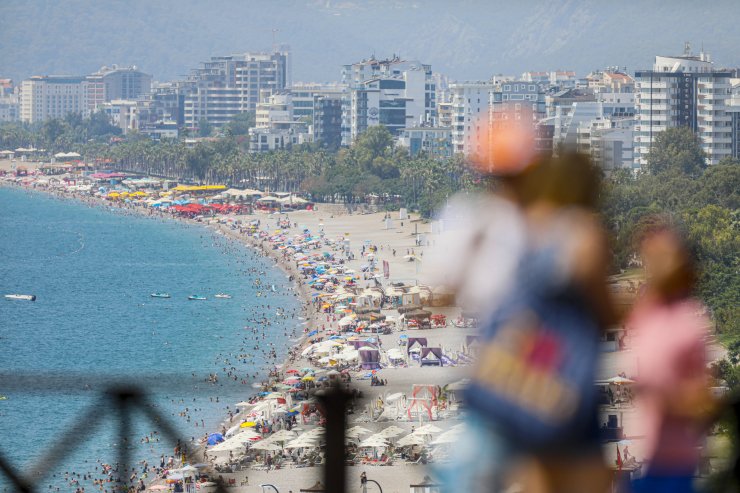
<point x="117" y="83"/>
<point x="395" y="93"/>
<point x="277" y="126"/>
<point x="47" y="97"/>
<point x="225" y="86"/>
<point x="123" y="113"/>
<point x="684" y="91"/>
<point x="470" y="114"/>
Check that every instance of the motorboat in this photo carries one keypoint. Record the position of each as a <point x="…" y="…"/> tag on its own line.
<point x="224" y="296"/>
<point x="21" y="297"/>
<point x="160" y="295"/>
<point x="197" y="297"/>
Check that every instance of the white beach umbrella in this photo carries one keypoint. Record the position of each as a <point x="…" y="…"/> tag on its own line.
<point x="283" y="435"/>
<point x="412" y="439"/>
<point x="428" y="429"/>
<point x="356" y="431"/>
<point x="302" y="443"/>
<point x="374" y="441"/>
<point x="227" y="446"/>
<point x="266" y="446"/>
<point x="391" y="431"/>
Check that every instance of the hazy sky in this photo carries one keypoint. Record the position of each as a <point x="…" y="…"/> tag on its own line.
<point x="464" y="39"/>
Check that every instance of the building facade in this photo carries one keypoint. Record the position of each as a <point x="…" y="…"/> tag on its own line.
<point x="225" y="86"/>
<point x="470" y="116"/>
<point x="117" y="83"/>
<point x="684" y="91"/>
<point x="47" y="97"/>
<point x="392" y="92"/>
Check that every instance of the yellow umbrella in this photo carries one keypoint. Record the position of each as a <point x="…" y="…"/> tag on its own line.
<point x="308" y="378"/>
<point x="248" y="424"/>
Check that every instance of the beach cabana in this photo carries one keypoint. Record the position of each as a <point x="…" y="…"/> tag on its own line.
<point x="369" y="358"/>
<point x="431" y="356"/>
<point x="416" y="342"/>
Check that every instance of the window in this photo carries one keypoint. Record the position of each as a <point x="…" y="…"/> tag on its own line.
<point x="507" y="88"/>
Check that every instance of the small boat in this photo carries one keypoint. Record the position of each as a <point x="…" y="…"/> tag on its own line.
<point x="160" y="295"/>
<point x="224" y="296"/>
<point x="197" y="297"/>
<point x="21" y="297"/>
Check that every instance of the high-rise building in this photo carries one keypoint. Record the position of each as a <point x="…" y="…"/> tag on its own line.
<point x="117" y="83"/>
<point x="225" y="86"/>
<point x="276" y="126"/>
<point x="685" y="91"/>
<point x="395" y="93"/>
<point x="53" y="96"/>
<point x="305" y="94"/>
<point x="327" y="120"/>
<point x="470" y="116"/>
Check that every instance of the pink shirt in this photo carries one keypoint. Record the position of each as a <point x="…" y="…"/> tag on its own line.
<point x="669" y="347"/>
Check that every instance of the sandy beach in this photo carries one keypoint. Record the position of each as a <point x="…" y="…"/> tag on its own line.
<point x="397" y="242"/>
<point x="397" y="236"/>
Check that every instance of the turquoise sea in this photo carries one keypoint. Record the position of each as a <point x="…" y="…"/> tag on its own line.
<point x="94" y="322"/>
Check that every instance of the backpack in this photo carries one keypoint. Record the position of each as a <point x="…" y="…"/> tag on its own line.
<point x="534" y="378"/>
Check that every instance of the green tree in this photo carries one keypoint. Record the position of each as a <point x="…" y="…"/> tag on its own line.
<point x="240" y="124"/>
<point x="676" y="149"/>
<point x="205" y="129"/>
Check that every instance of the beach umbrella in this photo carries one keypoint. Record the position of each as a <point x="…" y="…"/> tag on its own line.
<point x="408" y="440"/>
<point x="274" y="395"/>
<point x="228" y="446"/>
<point x="292" y="371"/>
<point x="308" y="378"/>
<point x="374" y="441"/>
<point x="266" y="446"/>
<point x="248" y="424"/>
<point x="282" y="435"/>
<point x="391" y="431"/>
<point x="356" y="431"/>
<point x="427" y="429"/>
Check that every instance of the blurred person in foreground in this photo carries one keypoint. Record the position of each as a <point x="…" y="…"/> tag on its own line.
<point x="533" y="415"/>
<point x="670" y="328"/>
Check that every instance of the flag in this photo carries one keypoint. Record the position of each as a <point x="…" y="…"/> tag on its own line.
<point x="619" y="459"/>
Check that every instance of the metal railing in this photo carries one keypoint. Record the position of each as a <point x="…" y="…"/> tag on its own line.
<point x="124" y="402"/>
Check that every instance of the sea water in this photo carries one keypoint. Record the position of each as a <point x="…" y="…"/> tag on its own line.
<point x="93" y="269"/>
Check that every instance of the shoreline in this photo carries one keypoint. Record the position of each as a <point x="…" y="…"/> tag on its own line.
<point x="391" y="243"/>
<point x="276" y="261"/>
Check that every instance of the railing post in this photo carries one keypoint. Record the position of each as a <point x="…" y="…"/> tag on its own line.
<point x="334" y="402"/>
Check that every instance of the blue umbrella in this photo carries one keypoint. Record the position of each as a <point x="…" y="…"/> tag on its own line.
<point x="313" y="333"/>
<point x="215" y="438"/>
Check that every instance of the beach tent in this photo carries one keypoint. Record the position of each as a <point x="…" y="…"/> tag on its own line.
<point x="369" y="358"/>
<point x="215" y="438"/>
<point x="414" y="342"/>
<point x="431" y="356"/>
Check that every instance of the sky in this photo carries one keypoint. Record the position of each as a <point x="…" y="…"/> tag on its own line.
<point x="464" y="39"/>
